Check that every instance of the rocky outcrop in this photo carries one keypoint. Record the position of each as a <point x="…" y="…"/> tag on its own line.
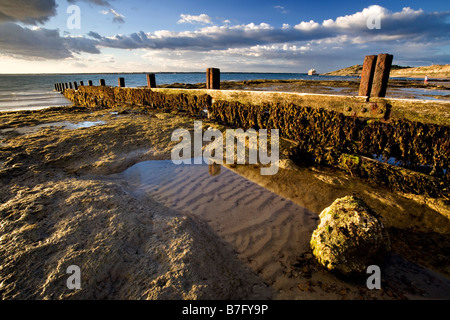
<point x="350" y="237"/>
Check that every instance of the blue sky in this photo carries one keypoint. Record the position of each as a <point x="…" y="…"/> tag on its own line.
<point x="174" y="35"/>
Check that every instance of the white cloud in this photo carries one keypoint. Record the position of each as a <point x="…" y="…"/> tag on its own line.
<point x="359" y="19"/>
<point x="117" y="17"/>
<point x="404" y="26"/>
<point x="202" y="18"/>
<point x="307" y="26"/>
<point x="281" y="9"/>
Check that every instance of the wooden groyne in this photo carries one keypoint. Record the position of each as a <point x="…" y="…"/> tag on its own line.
<point x="348" y="132"/>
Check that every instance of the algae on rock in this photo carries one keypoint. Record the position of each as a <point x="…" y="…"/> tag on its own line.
<point x="350" y="237"/>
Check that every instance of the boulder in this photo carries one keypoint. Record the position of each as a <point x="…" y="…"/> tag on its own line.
<point x="350" y="237"/>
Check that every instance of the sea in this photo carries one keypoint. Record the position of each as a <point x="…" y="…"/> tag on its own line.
<point x="36" y="91"/>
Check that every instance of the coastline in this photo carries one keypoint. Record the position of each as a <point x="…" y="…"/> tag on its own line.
<point x="63" y="204"/>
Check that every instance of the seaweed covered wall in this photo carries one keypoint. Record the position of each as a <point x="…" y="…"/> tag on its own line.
<point x="108" y="97"/>
<point x="329" y="137"/>
<point x="326" y="130"/>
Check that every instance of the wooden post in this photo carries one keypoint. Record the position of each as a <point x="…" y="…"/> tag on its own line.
<point x="81" y="83"/>
<point x="151" y="81"/>
<point x="213" y="78"/>
<point x="66" y="86"/>
<point x="75" y="85"/>
<point x="381" y="75"/>
<point x="121" y="82"/>
<point x="90" y="83"/>
<point x="70" y="85"/>
<point x="208" y="78"/>
<point x="367" y="73"/>
<point x="102" y="82"/>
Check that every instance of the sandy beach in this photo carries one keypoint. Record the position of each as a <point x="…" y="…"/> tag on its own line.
<point x="329" y="126"/>
<point x="96" y="188"/>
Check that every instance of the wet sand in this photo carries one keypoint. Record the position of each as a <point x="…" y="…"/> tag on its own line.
<point x="154" y="230"/>
<point x="268" y="223"/>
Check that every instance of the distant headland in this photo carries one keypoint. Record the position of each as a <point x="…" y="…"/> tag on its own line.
<point x="434" y="71"/>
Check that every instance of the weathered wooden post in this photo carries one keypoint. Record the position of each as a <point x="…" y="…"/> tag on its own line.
<point x="81" y="83"/>
<point x="70" y="85"/>
<point x="75" y="85"/>
<point x="102" y="82"/>
<point x="121" y="82"/>
<point x="381" y="75"/>
<point x="213" y="78"/>
<point x="367" y="73"/>
<point x="90" y="83"/>
<point x="66" y="86"/>
<point x="208" y="78"/>
<point x="151" y="81"/>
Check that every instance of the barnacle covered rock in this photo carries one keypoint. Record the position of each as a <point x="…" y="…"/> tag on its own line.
<point x="350" y="237"/>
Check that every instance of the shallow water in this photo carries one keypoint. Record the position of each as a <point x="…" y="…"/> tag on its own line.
<point x="31" y="100"/>
<point x="62" y="124"/>
<point x="203" y="188"/>
<point x="418" y="93"/>
<point x="264" y="228"/>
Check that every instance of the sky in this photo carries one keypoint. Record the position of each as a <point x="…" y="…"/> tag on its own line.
<point x="80" y="36"/>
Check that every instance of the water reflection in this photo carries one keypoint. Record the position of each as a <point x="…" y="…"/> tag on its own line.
<point x="214" y="169"/>
<point x="60" y="124"/>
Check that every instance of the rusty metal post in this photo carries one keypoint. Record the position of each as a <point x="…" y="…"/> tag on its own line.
<point x="121" y="82"/>
<point x="151" y="81"/>
<point x="367" y="73"/>
<point x="90" y="83"/>
<point x="214" y="78"/>
<point x="102" y="82"/>
<point x="381" y="75"/>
